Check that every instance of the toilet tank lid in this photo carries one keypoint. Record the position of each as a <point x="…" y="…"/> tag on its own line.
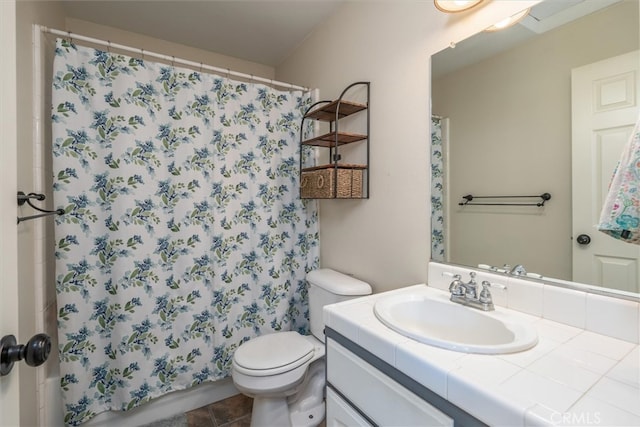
<point x="338" y="283"/>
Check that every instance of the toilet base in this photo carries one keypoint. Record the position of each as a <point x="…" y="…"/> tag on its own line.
<point x="270" y="412"/>
<point x="306" y="408"/>
<point x="309" y="418"/>
<point x="274" y="412"/>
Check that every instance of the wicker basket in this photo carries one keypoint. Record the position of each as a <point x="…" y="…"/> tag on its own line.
<point x="319" y="183"/>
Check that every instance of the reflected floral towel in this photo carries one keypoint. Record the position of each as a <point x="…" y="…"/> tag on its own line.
<point x="620" y="216"/>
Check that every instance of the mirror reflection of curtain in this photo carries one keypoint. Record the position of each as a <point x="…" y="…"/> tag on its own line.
<point x="438" y="243"/>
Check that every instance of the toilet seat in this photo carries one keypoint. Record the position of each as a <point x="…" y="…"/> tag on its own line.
<point x="272" y="354"/>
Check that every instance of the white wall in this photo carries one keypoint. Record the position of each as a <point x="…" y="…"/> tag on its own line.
<point x="385" y="240"/>
<point x="167" y="47"/>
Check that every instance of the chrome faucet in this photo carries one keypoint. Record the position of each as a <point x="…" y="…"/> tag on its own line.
<point x="470" y="294"/>
<point x="471" y="287"/>
<point x="518" y="270"/>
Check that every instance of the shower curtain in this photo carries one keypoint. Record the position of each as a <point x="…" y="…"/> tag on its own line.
<point x="437" y="191"/>
<point x="183" y="233"/>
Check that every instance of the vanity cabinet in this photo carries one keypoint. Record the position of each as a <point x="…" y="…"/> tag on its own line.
<point x="358" y="394"/>
<point x="337" y="177"/>
<point x="340" y="413"/>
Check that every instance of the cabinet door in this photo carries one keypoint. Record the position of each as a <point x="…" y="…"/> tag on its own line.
<point x="383" y="400"/>
<point x="341" y="414"/>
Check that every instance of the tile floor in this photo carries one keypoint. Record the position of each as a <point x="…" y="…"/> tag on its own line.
<point x="234" y="411"/>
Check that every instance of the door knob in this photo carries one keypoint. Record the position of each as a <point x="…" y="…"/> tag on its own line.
<point x="35" y="352"/>
<point x="583" y="239"/>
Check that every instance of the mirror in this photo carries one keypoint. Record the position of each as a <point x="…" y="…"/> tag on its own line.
<point x="505" y="102"/>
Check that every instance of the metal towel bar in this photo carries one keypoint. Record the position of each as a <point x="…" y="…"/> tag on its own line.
<point x="26" y="198"/>
<point x="468" y="198"/>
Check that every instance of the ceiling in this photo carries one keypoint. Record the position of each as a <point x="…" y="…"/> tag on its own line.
<point x="262" y="31"/>
<point x="268" y="31"/>
<point x="543" y="17"/>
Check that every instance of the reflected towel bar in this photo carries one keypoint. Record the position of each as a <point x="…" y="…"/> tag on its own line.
<point x="26" y="198"/>
<point x="468" y="198"/>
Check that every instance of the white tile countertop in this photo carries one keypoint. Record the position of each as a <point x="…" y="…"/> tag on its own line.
<point x="573" y="376"/>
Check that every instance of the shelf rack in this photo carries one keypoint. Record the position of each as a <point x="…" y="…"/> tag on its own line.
<point x="343" y="180"/>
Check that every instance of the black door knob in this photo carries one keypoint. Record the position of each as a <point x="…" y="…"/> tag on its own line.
<point x="583" y="239"/>
<point x="35" y="352"/>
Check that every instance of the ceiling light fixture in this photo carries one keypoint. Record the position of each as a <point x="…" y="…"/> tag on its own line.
<point x="508" y="22"/>
<point x="453" y="6"/>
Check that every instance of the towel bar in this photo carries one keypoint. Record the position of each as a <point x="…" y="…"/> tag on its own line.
<point x="468" y="198"/>
<point x="26" y="198"/>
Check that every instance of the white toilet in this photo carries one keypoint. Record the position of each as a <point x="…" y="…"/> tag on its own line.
<point x="284" y="372"/>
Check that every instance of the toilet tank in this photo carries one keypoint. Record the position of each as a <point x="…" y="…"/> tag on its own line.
<point x="328" y="286"/>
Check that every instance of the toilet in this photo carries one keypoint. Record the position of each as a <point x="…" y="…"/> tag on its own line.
<point x="284" y="372"/>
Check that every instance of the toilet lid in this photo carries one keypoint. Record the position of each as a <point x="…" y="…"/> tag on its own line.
<point x="273" y="354"/>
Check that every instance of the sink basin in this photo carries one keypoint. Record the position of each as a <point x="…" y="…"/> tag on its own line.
<point x="427" y="315"/>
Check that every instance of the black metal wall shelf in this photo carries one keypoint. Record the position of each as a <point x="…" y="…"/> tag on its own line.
<point x="336" y="179"/>
<point x="468" y="198"/>
<point x="26" y="198"/>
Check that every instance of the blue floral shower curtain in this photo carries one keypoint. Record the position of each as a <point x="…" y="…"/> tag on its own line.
<point x="438" y="248"/>
<point x="183" y="233"/>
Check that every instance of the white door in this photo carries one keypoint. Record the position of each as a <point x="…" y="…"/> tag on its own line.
<point x="605" y="98"/>
<point x="9" y="388"/>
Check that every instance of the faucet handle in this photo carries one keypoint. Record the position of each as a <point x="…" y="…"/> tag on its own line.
<point x="455" y="287"/>
<point x="485" y="295"/>
<point x="518" y="270"/>
<point x="472" y="275"/>
<point x="486" y="284"/>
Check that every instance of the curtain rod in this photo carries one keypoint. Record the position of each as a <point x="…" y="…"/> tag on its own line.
<point x="172" y="59"/>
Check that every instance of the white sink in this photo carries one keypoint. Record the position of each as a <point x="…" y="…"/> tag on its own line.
<point x="427" y="315"/>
